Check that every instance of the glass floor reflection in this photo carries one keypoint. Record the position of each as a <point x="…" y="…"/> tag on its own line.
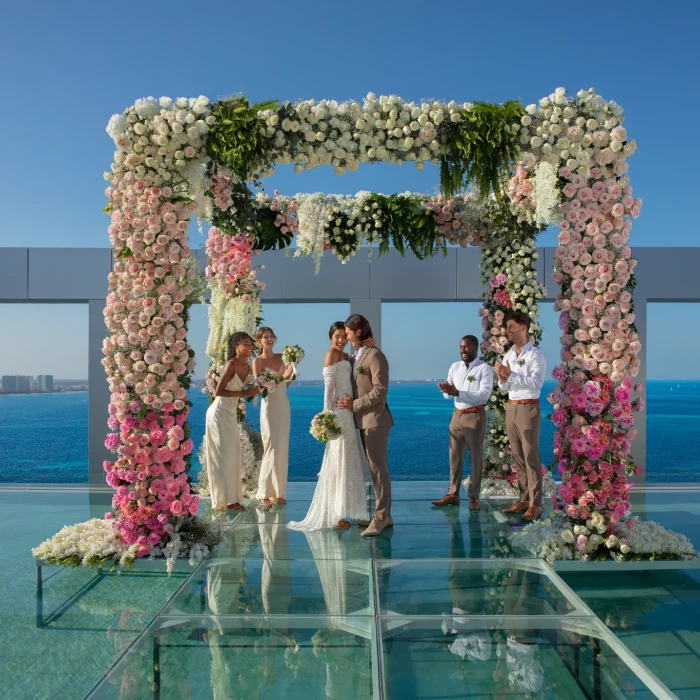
<point x="440" y="606"/>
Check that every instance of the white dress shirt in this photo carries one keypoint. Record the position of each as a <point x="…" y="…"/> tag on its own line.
<point x="527" y="373"/>
<point x="471" y="393"/>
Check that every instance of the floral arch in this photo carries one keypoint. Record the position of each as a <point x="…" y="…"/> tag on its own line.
<point x="562" y="161"/>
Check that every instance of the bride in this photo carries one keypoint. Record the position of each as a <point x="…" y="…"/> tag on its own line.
<point x="340" y="491"/>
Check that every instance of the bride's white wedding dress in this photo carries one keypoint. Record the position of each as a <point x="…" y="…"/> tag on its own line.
<point x="340" y="491"/>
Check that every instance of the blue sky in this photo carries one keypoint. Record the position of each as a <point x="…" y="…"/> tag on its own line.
<point x="67" y="67"/>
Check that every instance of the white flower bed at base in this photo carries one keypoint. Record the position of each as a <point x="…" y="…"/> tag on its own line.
<point x="95" y="543"/>
<point x="501" y="487"/>
<point x="554" y="538"/>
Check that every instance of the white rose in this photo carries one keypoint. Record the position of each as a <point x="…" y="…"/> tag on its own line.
<point x="531" y="109"/>
<point x="611" y="542"/>
<point x="455" y="117"/>
<point x="616" y="145"/>
<point x="420" y="165"/>
<point x="625" y="548"/>
<point x="526" y="120"/>
<point x="567" y="536"/>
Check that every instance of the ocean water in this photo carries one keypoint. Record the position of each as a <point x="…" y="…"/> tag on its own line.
<point x="43" y="437"/>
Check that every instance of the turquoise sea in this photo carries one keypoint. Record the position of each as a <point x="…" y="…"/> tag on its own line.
<point x="43" y="437"/>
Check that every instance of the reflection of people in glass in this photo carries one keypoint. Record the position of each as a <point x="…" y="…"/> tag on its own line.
<point x="344" y="654"/>
<point x="519" y="666"/>
<point x="466" y="587"/>
<point x="276" y="575"/>
<point x="242" y="659"/>
<point x="346" y="657"/>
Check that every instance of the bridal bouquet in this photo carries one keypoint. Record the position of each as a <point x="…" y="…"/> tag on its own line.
<point x="267" y="382"/>
<point x="292" y="355"/>
<point x="325" y="426"/>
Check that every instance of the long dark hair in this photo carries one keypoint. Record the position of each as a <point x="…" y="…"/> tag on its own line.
<point x="337" y="326"/>
<point x="359" y="323"/>
<point x="236" y="339"/>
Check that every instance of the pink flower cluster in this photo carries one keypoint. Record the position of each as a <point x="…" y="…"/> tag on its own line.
<point x="221" y="191"/>
<point x="451" y="225"/>
<point x="595" y="400"/>
<point x="147" y="360"/>
<point x="520" y="188"/>
<point x="286" y="208"/>
<point x="496" y="304"/>
<point x="230" y="265"/>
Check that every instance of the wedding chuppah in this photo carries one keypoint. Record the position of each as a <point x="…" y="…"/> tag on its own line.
<point x="560" y="162"/>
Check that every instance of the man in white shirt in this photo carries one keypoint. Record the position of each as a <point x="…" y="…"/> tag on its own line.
<point x="469" y="383"/>
<point x="522" y="375"/>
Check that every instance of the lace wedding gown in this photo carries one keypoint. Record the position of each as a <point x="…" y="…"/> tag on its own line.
<point x="340" y="491"/>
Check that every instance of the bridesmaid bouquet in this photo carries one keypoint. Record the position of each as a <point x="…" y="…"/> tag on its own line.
<point x="267" y="381"/>
<point x="325" y="426"/>
<point x="292" y="355"/>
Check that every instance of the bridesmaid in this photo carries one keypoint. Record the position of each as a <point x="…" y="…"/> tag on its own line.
<point x="275" y="420"/>
<point x="223" y="437"/>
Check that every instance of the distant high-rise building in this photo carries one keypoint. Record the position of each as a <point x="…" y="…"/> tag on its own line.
<point x="16" y="384"/>
<point x="44" y="382"/>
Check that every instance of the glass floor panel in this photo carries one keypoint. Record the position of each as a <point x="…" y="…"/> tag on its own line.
<point x="275" y="587"/>
<point x="455" y="539"/>
<point x="253" y="657"/>
<point x="276" y="541"/>
<point x="458" y="587"/>
<point x="516" y="657"/>
<point x="656" y="614"/>
<point x="280" y="613"/>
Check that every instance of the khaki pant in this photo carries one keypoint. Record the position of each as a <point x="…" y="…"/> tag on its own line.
<point x="467" y="431"/>
<point x="376" y="443"/>
<point x="523" y="429"/>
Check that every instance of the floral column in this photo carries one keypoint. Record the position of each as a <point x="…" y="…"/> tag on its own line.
<point x="147" y="358"/>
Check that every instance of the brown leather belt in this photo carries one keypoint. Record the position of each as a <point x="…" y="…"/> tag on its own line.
<point x="523" y="401"/>
<point x="473" y="409"/>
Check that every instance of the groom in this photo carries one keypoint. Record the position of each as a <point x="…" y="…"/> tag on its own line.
<point x="370" y="382"/>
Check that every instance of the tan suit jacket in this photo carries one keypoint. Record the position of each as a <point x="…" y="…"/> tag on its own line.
<point x="370" y="379"/>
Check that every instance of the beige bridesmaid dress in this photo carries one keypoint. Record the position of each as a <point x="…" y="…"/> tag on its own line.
<point x="275" y="422"/>
<point x="223" y="448"/>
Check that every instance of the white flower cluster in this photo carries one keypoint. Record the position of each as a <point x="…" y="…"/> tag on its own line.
<point x="344" y="135"/>
<point x="544" y="539"/>
<point x="547" y="194"/>
<point x="86" y="544"/>
<point x="503" y="487"/>
<point x="162" y="139"/>
<point x="648" y="538"/>
<point x="559" y="537"/>
<point x="226" y="317"/>
<point x="576" y="133"/>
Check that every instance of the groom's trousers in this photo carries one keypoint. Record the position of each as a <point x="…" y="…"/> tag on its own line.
<point x="467" y="431"/>
<point x="376" y="444"/>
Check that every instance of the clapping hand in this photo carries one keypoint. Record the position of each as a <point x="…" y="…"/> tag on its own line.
<point x="345" y="402"/>
<point x="448" y="388"/>
<point x="503" y="371"/>
<point x="288" y="373"/>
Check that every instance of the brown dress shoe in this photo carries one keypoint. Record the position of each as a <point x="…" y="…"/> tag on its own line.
<point x="533" y="513"/>
<point x="447" y="501"/>
<point x="474" y="504"/>
<point x="519" y="507"/>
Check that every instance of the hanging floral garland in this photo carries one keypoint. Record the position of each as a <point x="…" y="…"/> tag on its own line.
<point x="510" y="282"/>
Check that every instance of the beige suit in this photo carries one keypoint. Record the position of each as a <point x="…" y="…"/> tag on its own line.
<point x="370" y="383"/>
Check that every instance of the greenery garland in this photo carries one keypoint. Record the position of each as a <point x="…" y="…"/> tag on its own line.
<point x="480" y="148"/>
